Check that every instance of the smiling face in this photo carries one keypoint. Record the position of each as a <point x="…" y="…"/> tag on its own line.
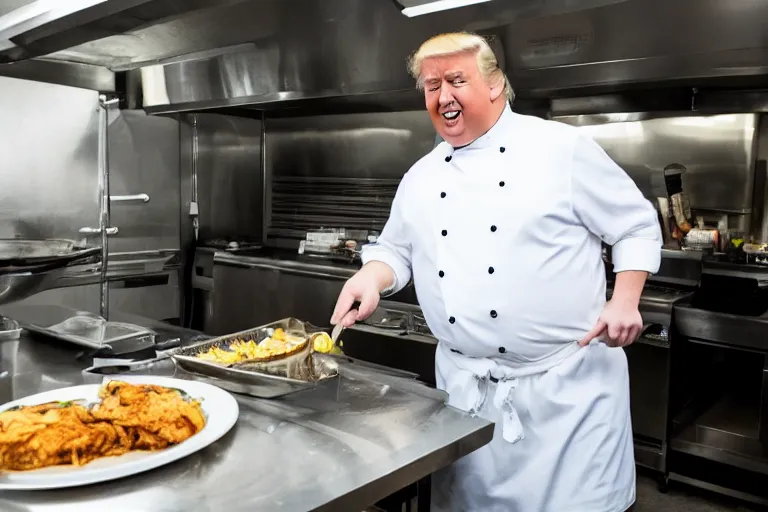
<point x="461" y="103"/>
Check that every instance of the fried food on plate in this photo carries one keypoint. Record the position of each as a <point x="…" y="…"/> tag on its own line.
<point x="130" y="417"/>
<point x="160" y="416"/>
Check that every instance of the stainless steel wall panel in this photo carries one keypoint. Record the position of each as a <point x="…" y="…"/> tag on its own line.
<point x="339" y="170"/>
<point x="48" y="160"/>
<point x="382" y="145"/>
<point x="718" y="151"/>
<point x="229" y="178"/>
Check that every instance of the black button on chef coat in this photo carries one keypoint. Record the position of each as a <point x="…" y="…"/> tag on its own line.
<point x="502" y="349"/>
<point x="444" y="232"/>
<point x="491" y="270"/>
<point x="502" y="149"/>
<point x="501" y="183"/>
<point x="442" y="194"/>
<point x="494" y="314"/>
<point x="448" y="158"/>
<point x="452" y="320"/>
<point x="493" y="229"/>
<point x="441" y="273"/>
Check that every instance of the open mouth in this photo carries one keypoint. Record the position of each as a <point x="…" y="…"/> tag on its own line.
<point x="450" y="116"/>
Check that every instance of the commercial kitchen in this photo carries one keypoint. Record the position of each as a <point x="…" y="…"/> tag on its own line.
<point x="207" y="168"/>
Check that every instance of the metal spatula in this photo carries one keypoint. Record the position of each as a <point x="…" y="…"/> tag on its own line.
<point x="336" y="332"/>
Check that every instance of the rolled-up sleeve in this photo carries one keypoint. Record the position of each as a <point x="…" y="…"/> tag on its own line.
<point x="393" y="246"/>
<point x="610" y="205"/>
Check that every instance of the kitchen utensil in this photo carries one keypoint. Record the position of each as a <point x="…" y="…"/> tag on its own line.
<point x="252" y="382"/>
<point x="29" y="253"/>
<point x="337" y="330"/>
<point x="118" y="366"/>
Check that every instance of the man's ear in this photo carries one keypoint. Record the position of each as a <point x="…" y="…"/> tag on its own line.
<point x="497" y="89"/>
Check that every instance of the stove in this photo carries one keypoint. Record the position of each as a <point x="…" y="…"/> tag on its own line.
<point x="404" y="319"/>
<point x="231" y="244"/>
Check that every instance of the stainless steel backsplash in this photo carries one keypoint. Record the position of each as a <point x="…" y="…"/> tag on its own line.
<point x="339" y="170"/>
<point x="718" y="151"/>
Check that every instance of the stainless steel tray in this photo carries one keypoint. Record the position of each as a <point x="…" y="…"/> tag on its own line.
<point x="78" y="327"/>
<point x="238" y="378"/>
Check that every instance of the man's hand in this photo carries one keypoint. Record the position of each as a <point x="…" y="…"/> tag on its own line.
<point x="620" y="325"/>
<point x="364" y="287"/>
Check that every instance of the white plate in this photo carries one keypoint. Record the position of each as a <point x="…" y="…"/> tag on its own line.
<point x="221" y="413"/>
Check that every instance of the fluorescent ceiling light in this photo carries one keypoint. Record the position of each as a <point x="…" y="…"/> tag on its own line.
<point x="38" y="13"/>
<point x="428" y="6"/>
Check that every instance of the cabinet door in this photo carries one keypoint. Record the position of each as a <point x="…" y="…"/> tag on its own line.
<point x="649" y="388"/>
<point x="144" y="160"/>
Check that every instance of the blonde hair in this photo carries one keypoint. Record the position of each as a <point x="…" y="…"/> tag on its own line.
<point x="460" y="42"/>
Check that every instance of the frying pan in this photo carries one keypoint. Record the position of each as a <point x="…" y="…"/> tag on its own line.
<point x="39" y="255"/>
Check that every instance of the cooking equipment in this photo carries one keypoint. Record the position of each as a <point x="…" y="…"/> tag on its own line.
<point x="28" y="267"/>
<point x="89" y="330"/>
<point x="21" y="248"/>
<point x="254" y="383"/>
<point x="231" y="244"/>
<point x="17" y="253"/>
<point x="93" y="331"/>
<point x="107" y="366"/>
<point x="20" y="284"/>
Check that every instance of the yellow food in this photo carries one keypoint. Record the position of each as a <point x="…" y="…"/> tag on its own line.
<point x="323" y="343"/>
<point x="128" y="418"/>
<point x="280" y="344"/>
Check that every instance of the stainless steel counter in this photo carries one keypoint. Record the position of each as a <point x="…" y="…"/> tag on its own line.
<point x="341" y="446"/>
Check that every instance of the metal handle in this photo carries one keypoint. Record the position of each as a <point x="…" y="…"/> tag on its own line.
<point x="284" y="266"/>
<point x="284" y="270"/>
<point x="95" y="231"/>
<point x="131" y="198"/>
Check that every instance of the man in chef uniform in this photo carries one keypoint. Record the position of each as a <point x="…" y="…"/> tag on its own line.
<point x="501" y="228"/>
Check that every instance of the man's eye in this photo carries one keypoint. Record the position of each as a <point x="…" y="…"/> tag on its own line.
<point x="434" y="88"/>
<point x="458" y="81"/>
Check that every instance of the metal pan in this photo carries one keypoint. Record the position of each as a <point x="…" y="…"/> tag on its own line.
<point x="240" y="379"/>
<point x="26" y="256"/>
<point x="21" y="248"/>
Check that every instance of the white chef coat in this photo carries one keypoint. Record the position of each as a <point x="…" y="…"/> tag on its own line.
<point x="503" y="239"/>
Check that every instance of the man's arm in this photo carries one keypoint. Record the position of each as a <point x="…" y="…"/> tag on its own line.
<point x="610" y="205"/>
<point x="628" y="287"/>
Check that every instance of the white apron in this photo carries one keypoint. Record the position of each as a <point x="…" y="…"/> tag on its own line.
<point x="562" y="441"/>
<point x="503" y="240"/>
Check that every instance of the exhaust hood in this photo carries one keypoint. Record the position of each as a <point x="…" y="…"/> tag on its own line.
<point x="205" y="54"/>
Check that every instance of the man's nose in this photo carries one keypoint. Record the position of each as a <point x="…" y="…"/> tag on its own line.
<point x="446" y="98"/>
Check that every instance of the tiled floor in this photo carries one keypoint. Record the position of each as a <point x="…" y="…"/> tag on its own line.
<point x="682" y="498"/>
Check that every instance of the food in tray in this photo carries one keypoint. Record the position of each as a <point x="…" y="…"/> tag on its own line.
<point x="323" y="343"/>
<point x="128" y="417"/>
<point x="277" y="346"/>
<point x="283" y="349"/>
